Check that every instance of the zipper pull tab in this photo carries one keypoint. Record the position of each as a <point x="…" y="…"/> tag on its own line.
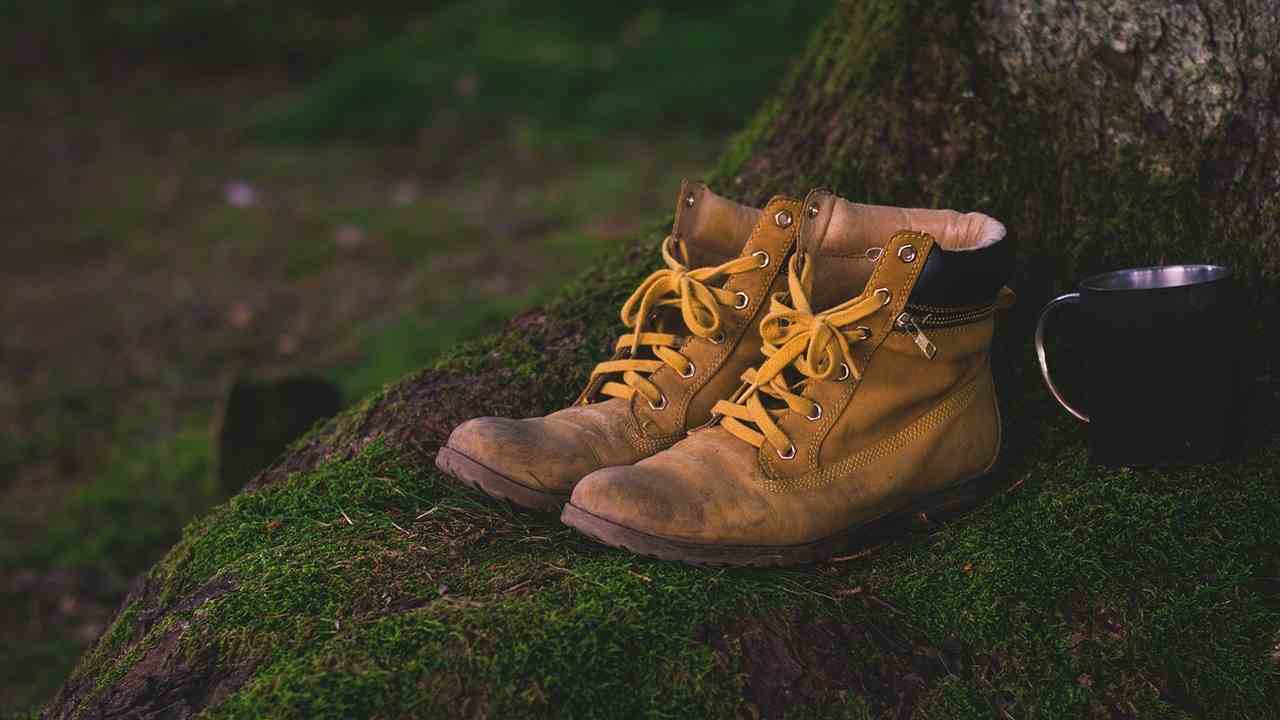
<point x="907" y="324"/>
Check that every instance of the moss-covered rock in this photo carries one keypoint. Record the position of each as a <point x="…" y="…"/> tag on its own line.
<point x="351" y="580"/>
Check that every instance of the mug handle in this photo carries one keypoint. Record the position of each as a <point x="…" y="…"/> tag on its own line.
<point x="1069" y="298"/>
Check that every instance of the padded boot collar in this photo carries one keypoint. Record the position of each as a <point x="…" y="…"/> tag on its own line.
<point x="848" y="237"/>
<point x="712" y="227"/>
<point x="962" y="278"/>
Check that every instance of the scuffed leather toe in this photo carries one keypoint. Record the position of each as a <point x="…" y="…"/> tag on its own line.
<point x="678" y="495"/>
<point x="635" y="498"/>
<point x="522" y="451"/>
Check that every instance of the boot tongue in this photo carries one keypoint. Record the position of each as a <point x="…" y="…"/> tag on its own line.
<point x="847" y="237"/>
<point x="714" y="229"/>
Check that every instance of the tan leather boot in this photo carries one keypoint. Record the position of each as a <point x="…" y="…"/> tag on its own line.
<point x="692" y="333"/>
<point x="856" y="422"/>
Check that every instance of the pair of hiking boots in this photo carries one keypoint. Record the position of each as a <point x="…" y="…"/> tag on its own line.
<point x="776" y="399"/>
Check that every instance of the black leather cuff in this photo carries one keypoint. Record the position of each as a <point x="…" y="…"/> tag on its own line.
<point x="963" y="278"/>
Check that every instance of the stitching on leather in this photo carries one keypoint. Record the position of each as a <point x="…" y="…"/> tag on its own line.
<point x="646" y="445"/>
<point x="995" y="406"/>
<point x="815" y="196"/>
<point x="956" y="329"/>
<point x="733" y="336"/>
<point x="757" y="296"/>
<point x="897" y="303"/>
<point x="861" y="256"/>
<point x="595" y="455"/>
<point x="692" y="386"/>
<point x="941" y="413"/>
<point x="899" y="300"/>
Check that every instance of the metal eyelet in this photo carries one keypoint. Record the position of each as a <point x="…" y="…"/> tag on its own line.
<point x="783" y="218"/>
<point x="906" y="253"/>
<point x="844" y="372"/>
<point x="816" y="414"/>
<point x="688" y="200"/>
<point x="888" y="296"/>
<point x="764" y="258"/>
<point x="874" y="254"/>
<point x="790" y="453"/>
<point x="866" y="332"/>
<point x="717" y="338"/>
<point x="814" y="210"/>
<point x="662" y="403"/>
<point x="692" y="370"/>
<point x="743" y="300"/>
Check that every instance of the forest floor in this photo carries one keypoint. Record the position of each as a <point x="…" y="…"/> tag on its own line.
<point x="173" y="226"/>
<point x="360" y="192"/>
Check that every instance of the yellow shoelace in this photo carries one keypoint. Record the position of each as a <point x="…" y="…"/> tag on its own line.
<point x="817" y="345"/>
<point x="674" y="286"/>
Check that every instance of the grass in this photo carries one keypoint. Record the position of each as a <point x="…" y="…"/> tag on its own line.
<point x="389" y="351"/>
<point x="587" y="72"/>
<point x="138" y="503"/>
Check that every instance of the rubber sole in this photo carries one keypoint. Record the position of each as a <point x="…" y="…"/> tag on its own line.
<point x="921" y="516"/>
<point x="494" y="484"/>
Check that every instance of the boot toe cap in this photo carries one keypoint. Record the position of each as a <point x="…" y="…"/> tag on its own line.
<point x="635" y="498"/>
<point x="702" y="491"/>
<point x="517" y="450"/>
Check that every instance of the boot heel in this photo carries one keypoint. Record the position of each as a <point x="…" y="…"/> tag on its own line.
<point x="947" y="504"/>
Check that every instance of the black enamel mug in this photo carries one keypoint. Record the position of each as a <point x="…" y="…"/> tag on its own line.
<point x="1161" y="351"/>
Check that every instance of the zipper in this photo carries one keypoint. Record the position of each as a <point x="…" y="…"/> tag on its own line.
<point x="917" y="317"/>
<point x="938" y="318"/>
<point x="909" y="325"/>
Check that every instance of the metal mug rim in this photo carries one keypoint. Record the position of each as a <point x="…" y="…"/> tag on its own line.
<point x="1098" y="283"/>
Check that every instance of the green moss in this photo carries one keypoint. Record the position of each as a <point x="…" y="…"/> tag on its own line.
<point x="1119" y="575"/>
<point x="366" y="589"/>
<point x="743" y="143"/>
<point x="325" y="584"/>
<point x="444" y="656"/>
<point x="110" y="670"/>
<point x="369" y="587"/>
<point x="122" y="630"/>
<point x="953" y="700"/>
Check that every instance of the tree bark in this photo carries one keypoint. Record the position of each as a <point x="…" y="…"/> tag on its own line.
<point x="1102" y="134"/>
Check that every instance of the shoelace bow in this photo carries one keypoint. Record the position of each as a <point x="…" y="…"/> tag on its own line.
<point x="817" y="345"/>
<point x="673" y="286"/>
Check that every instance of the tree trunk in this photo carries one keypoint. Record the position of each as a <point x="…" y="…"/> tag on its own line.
<point x="349" y="579"/>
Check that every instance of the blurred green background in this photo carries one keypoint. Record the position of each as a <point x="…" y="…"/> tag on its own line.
<point x="202" y="191"/>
